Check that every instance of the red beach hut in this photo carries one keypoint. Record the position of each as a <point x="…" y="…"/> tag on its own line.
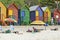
<point x="13" y="11"/>
<point x="57" y="15"/>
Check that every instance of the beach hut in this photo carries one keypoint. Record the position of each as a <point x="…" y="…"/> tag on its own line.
<point x="47" y="14"/>
<point x="57" y="15"/>
<point x="2" y="11"/>
<point x="36" y="13"/>
<point x="25" y="15"/>
<point x="13" y="11"/>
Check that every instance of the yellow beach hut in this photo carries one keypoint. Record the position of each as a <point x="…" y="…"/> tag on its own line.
<point x="47" y="14"/>
<point x="2" y="11"/>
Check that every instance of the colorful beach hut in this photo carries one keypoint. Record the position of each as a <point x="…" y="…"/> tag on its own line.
<point x="2" y="11"/>
<point x="47" y="14"/>
<point x="25" y="15"/>
<point x="36" y="13"/>
<point x="13" y="11"/>
<point x="57" y="15"/>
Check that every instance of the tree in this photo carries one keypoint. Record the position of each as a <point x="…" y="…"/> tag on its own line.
<point x="31" y="2"/>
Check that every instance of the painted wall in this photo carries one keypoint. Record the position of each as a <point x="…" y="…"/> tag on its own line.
<point x="32" y="16"/>
<point x="40" y="13"/>
<point x="19" y="17"/>
<point x="3" y="11"/>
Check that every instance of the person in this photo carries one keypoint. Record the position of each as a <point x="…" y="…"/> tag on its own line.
<point x="11" y="27"/>
<point x="35" y="30"/>
<point x="52" y="21"/>
<point x="29" y="30"/>
<point x="0" y="27"/>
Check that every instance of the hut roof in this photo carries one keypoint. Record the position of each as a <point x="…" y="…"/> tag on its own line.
<point x="13" y="4"/>
<point x="43" y="8"/>
<point x="3" y="4"/>
<point x="33" y="8"/>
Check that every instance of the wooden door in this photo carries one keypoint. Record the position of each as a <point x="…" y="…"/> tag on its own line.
<point x="46" y="17"/>
<point x="37" y="15"/>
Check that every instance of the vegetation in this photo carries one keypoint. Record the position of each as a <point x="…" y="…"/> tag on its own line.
<point x="50" y="3"/>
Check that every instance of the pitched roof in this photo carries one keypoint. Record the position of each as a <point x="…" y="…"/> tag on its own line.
<point x="13" y="5"/>
<point x="33" y="8"/>
<point x="3" y="4"/>
<point x="43" y="8"/>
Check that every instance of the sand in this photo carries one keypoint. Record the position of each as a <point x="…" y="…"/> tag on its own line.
<point x="42" y="35"/>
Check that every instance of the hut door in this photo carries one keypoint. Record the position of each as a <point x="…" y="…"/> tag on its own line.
<point x="10" y="13"/>
<point x="37" y="15"/>
<point x="46" y="17"/>
<point x="0" y="12"/>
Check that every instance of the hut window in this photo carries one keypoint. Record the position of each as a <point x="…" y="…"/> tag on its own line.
<point x="23" y="13"/>
<point x="10" y="12"/>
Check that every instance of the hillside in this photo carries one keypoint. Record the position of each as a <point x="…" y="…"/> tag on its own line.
<point x="49" y="3"/>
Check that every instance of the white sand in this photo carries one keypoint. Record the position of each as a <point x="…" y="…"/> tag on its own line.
<point x="43" y="35"/>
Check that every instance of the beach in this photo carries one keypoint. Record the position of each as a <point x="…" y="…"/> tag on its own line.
<point x="42" y="35"/>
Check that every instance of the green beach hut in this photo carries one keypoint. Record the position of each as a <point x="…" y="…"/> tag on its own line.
<point x="25" y="15"/>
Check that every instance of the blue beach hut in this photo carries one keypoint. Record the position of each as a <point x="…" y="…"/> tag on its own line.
<point x="36" y="13"/>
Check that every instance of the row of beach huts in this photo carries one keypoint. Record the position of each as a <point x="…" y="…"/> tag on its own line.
<point x="25" y="15"/>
